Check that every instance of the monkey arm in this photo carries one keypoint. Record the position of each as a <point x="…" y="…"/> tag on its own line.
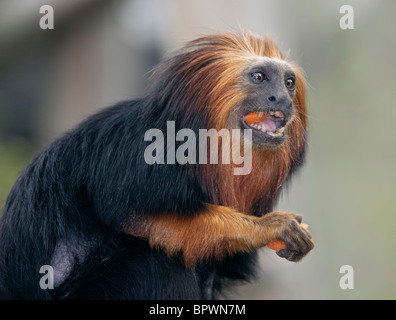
<point x="218" y="231"/>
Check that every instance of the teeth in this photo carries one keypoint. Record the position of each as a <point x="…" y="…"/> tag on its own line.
<point x="261" y="127"/>
<point x="277" y="133"/>
<point x="257" y="126"/>
<point x="279" y="114"/>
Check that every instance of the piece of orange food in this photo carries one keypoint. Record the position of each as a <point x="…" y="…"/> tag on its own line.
<point x="255" y="117"/>
<point x="278" y="245"/>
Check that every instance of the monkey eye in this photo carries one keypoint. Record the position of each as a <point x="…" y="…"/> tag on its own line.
<point x="290" y="83"/>
<point x="258" y="77"/>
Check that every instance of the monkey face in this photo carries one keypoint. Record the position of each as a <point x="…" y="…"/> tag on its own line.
<point x="268" y="107"/>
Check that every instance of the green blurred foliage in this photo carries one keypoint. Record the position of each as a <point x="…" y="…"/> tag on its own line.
<point x="14" y="156"/>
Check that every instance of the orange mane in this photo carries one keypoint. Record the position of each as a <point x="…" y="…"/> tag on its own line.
<point x="205" y="74"/>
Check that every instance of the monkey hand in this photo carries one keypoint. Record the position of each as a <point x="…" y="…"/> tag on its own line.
<point x="218" y="231"/>
<point x="295" y="240"/>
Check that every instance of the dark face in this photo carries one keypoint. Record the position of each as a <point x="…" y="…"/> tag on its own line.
<point x="268" y="108"/>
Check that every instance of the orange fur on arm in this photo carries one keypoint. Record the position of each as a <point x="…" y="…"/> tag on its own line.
<point x="212" y="234"/>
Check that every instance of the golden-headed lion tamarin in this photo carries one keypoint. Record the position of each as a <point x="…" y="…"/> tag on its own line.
<point x="112" y="225"/>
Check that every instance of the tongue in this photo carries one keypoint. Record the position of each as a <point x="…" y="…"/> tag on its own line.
<point x="269" y="124"/>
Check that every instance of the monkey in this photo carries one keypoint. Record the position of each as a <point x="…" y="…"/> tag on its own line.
<point x="112" y="226"/>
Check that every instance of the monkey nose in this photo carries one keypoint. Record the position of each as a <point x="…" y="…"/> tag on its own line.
<point x="282" y="99"/>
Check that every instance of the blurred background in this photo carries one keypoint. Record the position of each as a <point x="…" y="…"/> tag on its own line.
<point x="100" y="52"/>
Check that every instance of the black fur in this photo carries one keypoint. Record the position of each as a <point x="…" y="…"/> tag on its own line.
<point x="80" y="190"/>
<point x="70" y="204"/>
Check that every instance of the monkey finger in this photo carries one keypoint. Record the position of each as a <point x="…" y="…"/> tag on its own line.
<point x="290" y="255"/>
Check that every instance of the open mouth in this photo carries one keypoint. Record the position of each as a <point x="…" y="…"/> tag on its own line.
<point x="272" y="122"/>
